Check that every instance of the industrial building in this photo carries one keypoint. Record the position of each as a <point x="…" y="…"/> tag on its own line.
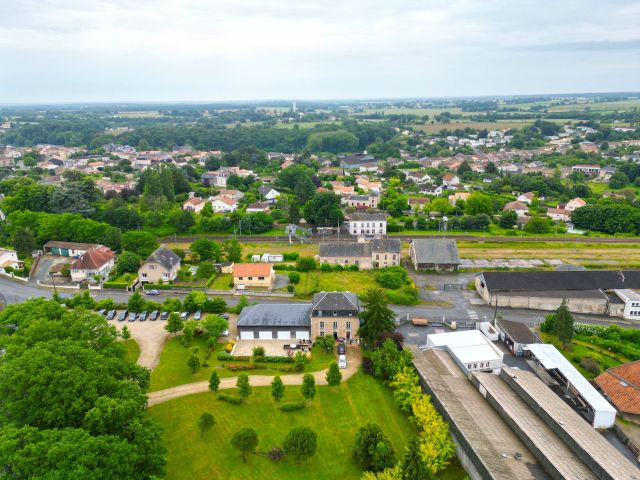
<point x="601" y="292"/>
<point x="470" y="349"/>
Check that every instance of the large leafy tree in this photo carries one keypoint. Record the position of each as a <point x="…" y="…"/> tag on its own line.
<point x="324" y="210"/>
<point x="301" y="443"/>
<point x="72" y="405"/>
<point x="128" y="262"/>
<point x="377" y="316"/>
<point x="412" y="465"/>
<point x="372" y="450"/>
<point x="245" y="440"/>
<point x="139" y="242"/>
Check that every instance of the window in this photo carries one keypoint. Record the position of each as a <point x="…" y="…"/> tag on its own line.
<point x="144" y="275"/>
<point x="250" y="278"/>
<point x="377" y="257"/>
<point x="152" y="267"/>
<point x="321" y="325"/>
<point x="239" y="278"/>
<point x="322" y="333"/>
<point x="335" y="313"/>
<point x="348" y="325"/>
<point x="165" y="275"/>
<point x="335" y="325"/>
<point x="260" y="278"/>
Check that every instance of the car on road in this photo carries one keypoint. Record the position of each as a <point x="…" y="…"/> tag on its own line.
<point x="197" y="315"/>
<point x="184" y="315"/>
<point x="132" y="317"/>
<point x="341" y="349"/>
<point x="153" y="292"/>
<point x="164" y="315"/>
<point x="342" y="361"/>
<point x="143" y="316"/>
<point x="111" y="315"/>
<point x="153" y="316"/>
<point x="122" y="316"/>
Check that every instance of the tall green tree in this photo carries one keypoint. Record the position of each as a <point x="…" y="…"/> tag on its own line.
<point x="244" y="388"/>
<point x="214" y="381"/>
<point x="304" y="189"/>
<point x="301" y="443"/>
<point x="334" y="377"/>
<point x="245" y="440"/>
<point x="139" y="242"/>
<point x="372" y="449"/>
<point x="377" y="316"/>
<point x="128" y="262"/>
<point x="564" y="327"/>
<point x="324" y="210"/>
<point x="412" y="466"/>
<point x="308" y="387"/>
<point x="174" y="323"/>
<point x="277" y="388"/>
<point x="136" y="303"/>
<point x="205" y="423"/>
<point x="232" y="250"/>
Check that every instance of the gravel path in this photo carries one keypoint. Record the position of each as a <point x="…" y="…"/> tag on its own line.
<point x="354" y="360"/>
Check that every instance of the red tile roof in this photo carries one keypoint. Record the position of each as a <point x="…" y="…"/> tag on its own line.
<point x="93" y="259"/>
<point x="621" y="385"/>
<point x="252" y="270"/>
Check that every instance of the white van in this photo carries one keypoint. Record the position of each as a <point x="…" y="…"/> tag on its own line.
<point x="342" y="361"/>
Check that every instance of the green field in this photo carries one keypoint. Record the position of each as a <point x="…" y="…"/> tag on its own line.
<point x="356" y="282"/>
<point x="436" y="127"/>
<point x="335" y="414"/>
<point x="599" y="106"/>
<point x="172" y="369"/>
<point x="133" y="350"/>
<point x="222" y="282"/>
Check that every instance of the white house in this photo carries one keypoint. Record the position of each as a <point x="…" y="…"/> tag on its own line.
<point x="450" y="180"/>
<point x="268" y="194"/>
<point x="559" y="214"/>
<point x="575" y="203"/>
<point x="368" y="224"/>
<point x="520" y="208"/>
<point x="631" y="301"/>
<point x="526" y="198"/>
<point x="194" y="204"/>
<point x="9" y="258"/>
<point x="432" y="190"/>
<point x="470" y="348"/>
<point x="258" y="207"/>
<point x="418" y="177"/>
<point x="96" y="262"/>
<point x="223" y="204"/>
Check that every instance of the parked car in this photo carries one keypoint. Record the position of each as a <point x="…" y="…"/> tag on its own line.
<point x="341" y="349"/>
<point x="197" y="315"/>
<point x="111" y="315"/>
<point x="342" y="361"/>
<point x="143" y="316"/>
<point x="132" y="317"/>
<point x="153" y="315"/>
<point x="225" y="333"/>
<point x="102" y="312"/>
<point x="122" y="316"/>
<point x="225" y="316"/>
<point x="184" y="315"/>
<point x="153" y="292"/>
<point x="164" y="315"/>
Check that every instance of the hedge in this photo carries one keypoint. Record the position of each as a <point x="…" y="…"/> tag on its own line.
<point x="292" y="406"/>
<point x="159" y="286"/>
<point x="227" y="357"/>
<point x="116" y="285"/>
<point x="224" y="356"/>
<point x="230" y="397"/>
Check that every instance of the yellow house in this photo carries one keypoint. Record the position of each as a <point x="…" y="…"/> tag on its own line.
<point x="251" y="275"/>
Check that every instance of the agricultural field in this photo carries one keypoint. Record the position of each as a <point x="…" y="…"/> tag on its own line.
<point x="335" y="414"/>
<point x="436" y="127"/>
<point x="599" y="106"/>
<point x="140" y="114"/>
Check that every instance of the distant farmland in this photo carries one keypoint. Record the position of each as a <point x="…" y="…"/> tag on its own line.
<point x="436" y="127"/>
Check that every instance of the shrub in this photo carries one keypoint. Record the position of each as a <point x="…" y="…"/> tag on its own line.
<point x="258" y="352"/>
<point x="290" y="256"/>
<point x="292" y="406"/>
<point x="591" y="365"/>
<point x="367" y="366"/>
<point x="230" y="398"/>
<point x="274" y="359"/>
<point x="224" y="356"/>
<point x="294" y="277"/>
<point x="290" y="288"/>
<point x="240" y="368"/>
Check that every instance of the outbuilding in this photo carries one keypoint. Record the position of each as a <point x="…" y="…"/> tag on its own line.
<point x="269" y="321"/>
<point x="434" y="254"/>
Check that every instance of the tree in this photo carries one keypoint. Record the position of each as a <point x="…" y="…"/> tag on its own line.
<point x="299" y="361"/>
<point x="508" y="219"/>
<point x="139" y="242"/>
<point x="301" y="443"/>
<point x="412" y="466"/>
<point x="388" y="360"/>
<point x="324" y="210"/>
<point x="327" y="342"/>
<point x="232" y="250"/>
<point x="306" y="264"/>
<point x="463" y="168"/>
<point x="244" y="389"/>
<point x="618" y="180"/>
<point x="245" y="440"/>
<point x="213" y="326"/>
<point x="214" y="381"/>
<point x="194" y="360"/>
<point x="125" y="333"/>
<point x="207" y="249"/>
<point x="308" y="387"/>
<point x="206" y="270"/>
<point x="478" y="203"/>
<point x="563" y="327"/>
<point x="304" y="189"/>
<point x="174" y="323"/>
<point x="128" y="262"/>
<point x="277" y="388"/>
<point x="376" y="315"/>
<point x="136" y="303"/>
<point x="537" y="225"/>
<point x="372" y="450"/>
<point x="23" y="241"/>
<point x="205" y="422"/>
<point x="334" y="376"/>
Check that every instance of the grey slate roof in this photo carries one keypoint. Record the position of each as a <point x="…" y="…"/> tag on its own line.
<point x="275" y="315"/>
<point x="336" y="301"/>
<point x="561" y="280"/>
<point x="368" y="217"/>
<point x="382" y="245"/>
<point x="436" y="251"/>
<point x="165" y="257"/>
<point x="345" y="249"/>
<point x="519" y="332"/>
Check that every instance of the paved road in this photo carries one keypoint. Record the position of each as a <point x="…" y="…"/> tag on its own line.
<point x="354" y="360"/>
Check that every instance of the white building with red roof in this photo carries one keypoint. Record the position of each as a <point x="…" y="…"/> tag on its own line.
<point x="97" y="261"/>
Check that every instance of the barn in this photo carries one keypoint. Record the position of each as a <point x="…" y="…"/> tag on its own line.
<point x="270" y="321"/>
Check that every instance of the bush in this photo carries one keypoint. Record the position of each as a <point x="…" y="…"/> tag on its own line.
<point x="273" y="359"/>
<point x="407" y="296"/>
<point x="294" y="277"/>
<point x="367" y="366"/>
<point x="258" y="353"/>
<point x="590" y="365"/>
<point x="292" y="406"/>
<point x="225" y="357"/>
<point x="230" y="398"/>
<point x="290" y="288"/>
<point x="290" y="256"/>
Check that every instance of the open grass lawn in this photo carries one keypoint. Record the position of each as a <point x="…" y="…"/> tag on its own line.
<point x="584" y="349"/>
<point x="356" y="282"/>
<point x="172" y="370"/>
<point x="335" y="414"/>
<point x="133" y="350"/>
<point x="222" y="282"/>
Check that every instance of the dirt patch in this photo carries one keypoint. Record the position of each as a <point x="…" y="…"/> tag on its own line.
<point x="151" y="337"/>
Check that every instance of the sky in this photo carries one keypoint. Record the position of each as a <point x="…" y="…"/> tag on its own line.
<point x="223" y="50"/>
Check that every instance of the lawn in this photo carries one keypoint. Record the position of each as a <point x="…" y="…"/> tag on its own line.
<point x="172" y="369"/>
<point x="133" y="350"/>
<point x="356" y="282"/>
<point x="222" y="282"/>
<point x="335" y="414"/>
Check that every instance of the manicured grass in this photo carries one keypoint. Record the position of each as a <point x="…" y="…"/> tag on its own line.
<point x="335" y="414"/>
<point x="356" y="282"/>
<point x="133" y="350"/>
<point x="172" y="369"/>
<point x="222" y="282"/>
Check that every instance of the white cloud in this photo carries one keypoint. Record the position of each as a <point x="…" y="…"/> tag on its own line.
<point x="207" y="50"/>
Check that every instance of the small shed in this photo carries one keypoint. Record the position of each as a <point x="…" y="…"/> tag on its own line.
<point x="517" y="336"/>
